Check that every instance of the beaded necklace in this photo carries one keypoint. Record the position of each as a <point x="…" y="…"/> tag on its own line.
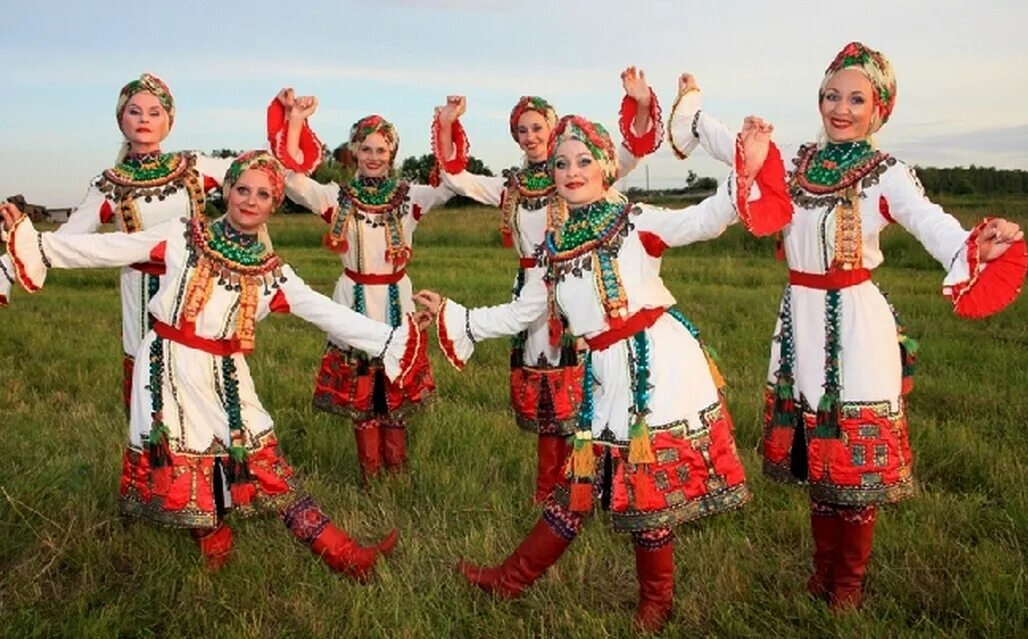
<point x="149" y="177"/>
<point x="596" y="231"/>
<point x="381" y="202"/>
<point x="239" y="262"/>
<point x="840" y="170"/>
<point x="147" y="169"/>
<point x="529" y="187"/>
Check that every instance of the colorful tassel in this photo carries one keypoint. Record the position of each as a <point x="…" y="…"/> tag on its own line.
<point x="640" y="451"/>
<point x="908" y="357"/>
<point x="507" y="236"/>
<point x="159" y="446"/>
<point x="335" y="244"/>
<point x="828" y="417"/>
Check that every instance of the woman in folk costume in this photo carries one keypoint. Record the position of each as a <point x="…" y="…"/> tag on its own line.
<point x="145" y="188"/>
<point x="371" y="220"/>
<point x="545" y="371"/>
<point x="200" y="442"/>
<point x="658" y="451"/>
<point x="841" y="367"/>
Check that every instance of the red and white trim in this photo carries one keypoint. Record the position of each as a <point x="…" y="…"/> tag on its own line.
<point x="990" y="286"/>
<point x="773" y="210"/>
<point x="648" y="141"/>
<point x="461" y="147"/>
<point x="310" y="145"/>
<point x="24" y="247"/>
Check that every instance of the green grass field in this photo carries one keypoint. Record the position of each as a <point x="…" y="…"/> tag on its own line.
<point x="950" y="562"/>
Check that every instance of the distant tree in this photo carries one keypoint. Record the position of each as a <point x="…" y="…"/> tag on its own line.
<point x="418" y="169"/>
<point x="225" y="153"/>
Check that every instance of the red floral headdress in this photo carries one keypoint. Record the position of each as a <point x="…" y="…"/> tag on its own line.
<point x="593" y="136"/>
<point x="151" y="84"/>
<point x="531" y="103"/>
<point x="374" y="124"/>
<point x="877" y="69"/>
<point x="259" y="161"/>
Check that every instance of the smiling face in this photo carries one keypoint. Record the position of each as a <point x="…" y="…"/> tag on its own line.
<point x="251" y="201"/>
<point x="145" y="122"/>
<point x="533" y="133"/>
<point x="373" y="156"/>
<point x="577" y="175"/>
<point x="847" y="106"/>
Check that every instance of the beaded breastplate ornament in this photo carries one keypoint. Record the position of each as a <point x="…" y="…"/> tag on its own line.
<point x="529" y="187"/>
<point x="834" y="176"/>
<point x="237" y="261"/>
<point x="379" y="203"/>
<point x="590" y="241"/>
<point x="148" y="177"/>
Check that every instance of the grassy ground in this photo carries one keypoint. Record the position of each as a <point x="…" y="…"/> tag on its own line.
<point x="950" y="562"/>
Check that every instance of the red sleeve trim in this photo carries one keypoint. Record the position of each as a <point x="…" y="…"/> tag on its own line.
<point x="19" y="267"/>
<point x="773" y="211"/>
<point x="459" y="162"/>
<point x="210" y="184"/>
<point x="157" y="252"/>
<point x="649" y="141"/>
<point x="106" y="213"/>
<point x="652" y="243"/>
<point x="328" y="213"/>
<point x="415" y="351"/>
<point x="992" y="286"/>
<point x="416" y="211"/>
<point x="883" y="208"/>
<point x="445" y="343"/>
<point x="278" y="127"/>
<point x="3" y="300"/>
<point x="279" y="303"/>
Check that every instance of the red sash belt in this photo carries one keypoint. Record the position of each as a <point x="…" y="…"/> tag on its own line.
<point x="375" y="278"/>
<point x="639" y="321"/>
<point x="829" y="281"/>
<point x="187" y="337"/>
<point x="150" y="268"/>
<point x="528" y="262"/>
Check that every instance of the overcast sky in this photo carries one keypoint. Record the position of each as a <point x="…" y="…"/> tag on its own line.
<point x="963" y="94"/>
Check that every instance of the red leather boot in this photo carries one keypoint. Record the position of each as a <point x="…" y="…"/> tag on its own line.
<point x="824" y="526"/>
<point x="312" y="526"/>
<point x="214" y="543"/>
<point x="856" y="532"/>
<point x="551" y="452"/>
<point x="537" y="552"/>
<point x="369" y="448"/>
<point x="343" y="554"/>
<point x="394" y="445"/>
<point x="655" y="568"/>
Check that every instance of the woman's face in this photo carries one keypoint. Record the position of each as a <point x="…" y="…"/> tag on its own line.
<point x="373" y="156"/>
<point x="251" y="201"/>
<point x="144" y="122"/>
<point x="577" y="175"/>
<point x="533" y="135"/>
<point x="847" y="105"/>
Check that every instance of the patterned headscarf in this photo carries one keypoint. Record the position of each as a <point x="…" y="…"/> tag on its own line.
<point x="151" y="84"/>
<point x="878" y="70"/>
<point x="593" y="136"/>
<point x="374" y="124"/>
<point x="531" y="103"/>
<point x="258" y="161"/>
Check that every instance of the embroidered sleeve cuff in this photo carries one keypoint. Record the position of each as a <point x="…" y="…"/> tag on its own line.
<point x="772" y="210"/>
<point x="454" y="331"/>
<point x="455" y="160"/>
<point x="6" y="279"/>
<point x="649" y="141"/>
<point x="979" y="289"/>
<point x="25" y="248"/>
<point x="277" y="129"/>
<point x="405" y="352"/>
<point x="682" y="133"/>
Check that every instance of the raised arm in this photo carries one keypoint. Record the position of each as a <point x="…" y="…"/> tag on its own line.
<point x="690" y="126"/>
<point x="450" y="146"/>
<point x="639" y="119"/>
